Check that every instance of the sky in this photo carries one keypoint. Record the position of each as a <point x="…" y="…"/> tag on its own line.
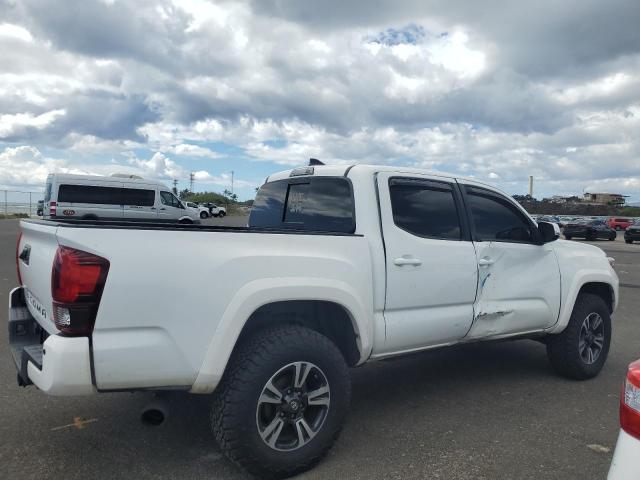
<point x="492" y="90"/>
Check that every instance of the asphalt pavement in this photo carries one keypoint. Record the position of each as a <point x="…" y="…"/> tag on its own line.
<point x="482" y="411"/>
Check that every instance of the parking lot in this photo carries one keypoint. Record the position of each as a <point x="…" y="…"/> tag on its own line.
<point x="492" y="410"/>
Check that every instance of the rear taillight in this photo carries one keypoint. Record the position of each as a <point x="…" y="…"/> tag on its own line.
<point x="630" y="401"/>
<point x="18" y="258"/>
<point x="77" y="281"/>
<point x="52" y="209"/>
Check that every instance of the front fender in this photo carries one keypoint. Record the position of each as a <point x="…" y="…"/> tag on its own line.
<point x="581" y="278"/>
<point x="261" y="292"/>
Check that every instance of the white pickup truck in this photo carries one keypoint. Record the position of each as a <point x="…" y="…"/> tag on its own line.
<point x="337" y="267"/>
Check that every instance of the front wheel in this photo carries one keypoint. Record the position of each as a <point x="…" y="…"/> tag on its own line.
<point x="203" y="215"/>
<point x="580" y="351"/>
<point x="629" y="240"/>
<point x="221" y="214"/>
<point x="282" y="401"/>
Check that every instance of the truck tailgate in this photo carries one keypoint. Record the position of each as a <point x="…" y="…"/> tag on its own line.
<point x="37" y="248"/>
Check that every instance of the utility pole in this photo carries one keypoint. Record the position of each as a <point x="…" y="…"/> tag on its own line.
<point x="231" y="182"/>
<point x="175" y="186"/>
<point x="191" y="177"/>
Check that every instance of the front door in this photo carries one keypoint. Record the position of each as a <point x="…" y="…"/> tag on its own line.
<point x="431" y="262"/>
<point x="519" y="279"/>
<point x="171" y="209"/>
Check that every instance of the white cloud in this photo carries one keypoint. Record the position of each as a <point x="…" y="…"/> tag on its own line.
<point x="14" y="124"/>
<point x="10" y="31"/>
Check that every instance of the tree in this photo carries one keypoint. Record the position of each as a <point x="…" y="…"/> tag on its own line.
<point x="184" y="194"/>
<point x="231" y="196"/>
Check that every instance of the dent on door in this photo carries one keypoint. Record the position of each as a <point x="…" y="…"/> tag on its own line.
<point x="518" y="289"/>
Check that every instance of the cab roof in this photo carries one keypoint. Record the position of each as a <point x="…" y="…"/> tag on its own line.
<point x="343" y="170"/>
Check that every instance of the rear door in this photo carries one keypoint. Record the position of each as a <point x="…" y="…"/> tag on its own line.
<point x="519" y="280"/>
<point x="431" y="262"/>
<point x="139" y="202"/>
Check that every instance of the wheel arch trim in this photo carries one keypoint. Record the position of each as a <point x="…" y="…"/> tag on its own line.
<point x="580" y="280"/>
<point x="259" y="293"/>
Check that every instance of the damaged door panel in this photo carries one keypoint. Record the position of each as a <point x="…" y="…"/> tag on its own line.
<point x="518" y="278"/>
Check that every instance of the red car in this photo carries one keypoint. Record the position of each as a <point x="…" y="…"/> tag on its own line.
<point x="619" y="223"/>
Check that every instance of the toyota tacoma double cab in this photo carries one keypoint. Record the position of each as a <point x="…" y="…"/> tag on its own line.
<point x="338" y="266"/>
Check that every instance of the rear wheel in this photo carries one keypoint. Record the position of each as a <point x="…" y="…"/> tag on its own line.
<point x="204" y="215"/>
<point x="581" y="350"/>
<point x="221" y="214"/>
<point x="612" y="237"/>
<point x="628" y="240"/>
<point x="568" y="237"/>
<point x="282" y="401"/>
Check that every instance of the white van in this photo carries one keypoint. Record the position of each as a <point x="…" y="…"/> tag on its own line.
<point x="118" y="197"/>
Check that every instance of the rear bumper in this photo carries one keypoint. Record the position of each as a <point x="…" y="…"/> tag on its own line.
<point x="624" y="465"/>
<point x="56" y="365"/>
<point x="633" y="235"/>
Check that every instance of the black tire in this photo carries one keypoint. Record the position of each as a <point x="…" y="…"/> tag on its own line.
<point x="628" y="240"/>
<point x="204" y="215"/>
<point x="568" y="237"/>
<point x="185" y="221"/>
<point x="563" y="349"/>
<point x="234" y="413"/>
<point x="221" y="214"/>
<point x="612" y="237"/>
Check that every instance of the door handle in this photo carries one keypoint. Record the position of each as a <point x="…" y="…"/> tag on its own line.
<point x="486" y="261"/>
<point x="407" y="261"/>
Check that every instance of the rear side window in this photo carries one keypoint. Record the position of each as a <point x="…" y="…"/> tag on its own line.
<point x="425" y="208"/>
<point x="495" y="218"/>
<point x="323" y="204"/>
<point x="106" y="195"/>
<point x="89" y="194"/>
<point x="47" y="192"/>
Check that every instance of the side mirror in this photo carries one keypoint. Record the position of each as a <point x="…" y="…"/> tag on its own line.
<point x="549" y="232"/>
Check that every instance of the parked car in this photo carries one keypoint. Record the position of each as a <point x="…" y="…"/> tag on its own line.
<point x="40" y="209"/>
<point x="92" y="197"/>
<point x="218" y="211"/>
<point x="632" y="233"/>
<point x="551" y="219"/>
<point x="619" y="223"/>
<point x="589" y="230"/>
<point x="339" y="265"/>
<point x="200" y="210"/>
<point x="624" y="465"/>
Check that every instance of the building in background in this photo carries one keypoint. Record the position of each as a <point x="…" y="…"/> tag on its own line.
<point x="614" y="199"/>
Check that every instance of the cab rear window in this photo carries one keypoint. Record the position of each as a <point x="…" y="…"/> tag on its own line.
<point x="323" y="204"/>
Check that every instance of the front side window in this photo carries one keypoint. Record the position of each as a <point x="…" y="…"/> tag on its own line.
<point x="425" y="208"/>
<point x="323" y="204"/>
<point x="495" y="218"/>
<point x="168" y="198"/>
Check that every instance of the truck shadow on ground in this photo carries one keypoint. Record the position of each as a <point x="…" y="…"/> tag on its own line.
<point x="391" y="399"/>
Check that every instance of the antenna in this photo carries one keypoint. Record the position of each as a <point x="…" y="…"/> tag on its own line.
<point x="315" y="161"/>
<point x="191" y="178"/>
